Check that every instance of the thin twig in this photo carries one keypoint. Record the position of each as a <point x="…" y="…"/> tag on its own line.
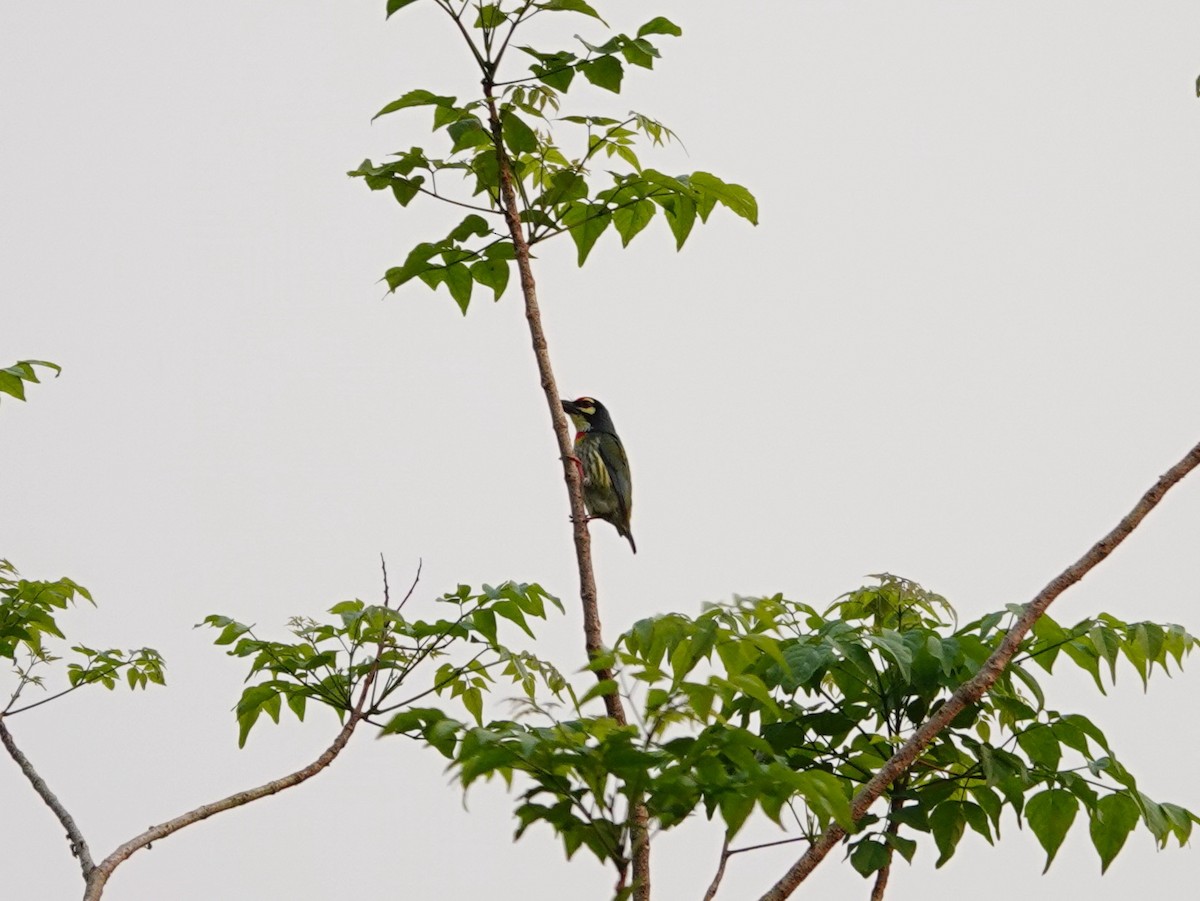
<point x="775" y="844"/>
<point x="463" y="204"/>
<point x="67" y="691"/>
<point x="79" y="846"/>
<point x="413" y="587"/>
<point x="893" y="829"/>
<point x="720" y="874"/>
<point x="974" y="688"/>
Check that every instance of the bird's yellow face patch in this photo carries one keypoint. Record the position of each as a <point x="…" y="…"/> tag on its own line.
<point x="586" y="407"/>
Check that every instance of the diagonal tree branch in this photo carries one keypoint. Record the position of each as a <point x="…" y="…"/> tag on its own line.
<point x="79" y="846"/>
<point x="100" y="874"/>
<point x="974" y="688"/>
<point x="97" y="877"/>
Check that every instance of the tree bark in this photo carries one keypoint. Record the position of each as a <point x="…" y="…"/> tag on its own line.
<point x="593" y="638"/>
<point x="100" y="874"/>
<point x="79" y="847"/>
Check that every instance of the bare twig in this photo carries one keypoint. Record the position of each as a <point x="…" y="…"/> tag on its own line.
<point x="974" y="688"/>
<point x="66" y="691"/>
<point x="452" y="201"/>
<point x="893" y="829"/>
<point x="411" y="588"/>
<point x="720" y="874"/>
<point x="79" y="846"/>
<point x="775" y="844"/>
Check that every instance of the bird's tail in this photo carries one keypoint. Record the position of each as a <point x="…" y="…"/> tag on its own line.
<point x="629" y="537"/>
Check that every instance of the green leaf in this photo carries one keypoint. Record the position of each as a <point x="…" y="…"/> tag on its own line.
<point x="639" y="53"/>
<point x="631" y="219"/>
<point x="869" y="857"/>
<point x="823" y="793"/>
<point x="587" y="223"/>
<point x="28" y="366"/>
<point x="415" y="265"/>
<point x="565" y="185"/>
<point x="472" y="699"/>
<point x="252" y="702"/>
<point x="1050" y="815"/>
<point x="460" y="282"/>
<point x="977" y="819"/>
<point x="405" y="189"/>
<point x="473" y="224"/>
<point x="396" y="5"/>
<point x="905" y="846"/>
<point x="734" y="197"/>
<point x="600" y="689"/>
<point x="1180" y="821"/>
<point x="574" y="6"/>
<point x="1086" y="726"/>
<point x="296" y="702"/>
<point x="490" y="16"/>
<point x="468" y="132"/>
<point x="519" y="137"/>
<point x="735" y="808"/>
<point x="1040" y="743"/>
<point x="556" y="75"/>
<point x="893" y="645"/>
<point x="1115" y="817"/>
<point x="419" y="97"/>
<point x="502" y="250"/>
<point x="491" y="273"/>
<point x="605" y="72"/>
<point x="443" y="735"/>
<point x="681" y="216"/>
<point x="11" y="384"/>
<point x="659" y="25"/>
<point x="947" y="822"/>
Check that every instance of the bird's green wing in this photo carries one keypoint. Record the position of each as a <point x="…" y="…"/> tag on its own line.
<point x="612" y="453"/>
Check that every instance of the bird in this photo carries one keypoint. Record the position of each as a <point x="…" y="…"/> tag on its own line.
<point x="607" y="489"/>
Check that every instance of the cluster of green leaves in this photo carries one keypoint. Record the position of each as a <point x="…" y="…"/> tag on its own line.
<point x="767" y="703"/>
<point x="1008" y="750"/>
<point x="329" y="662"/>
<point x="556" y="190"/>
<point x="13" y="379"/>
<point x="29" y="627"/>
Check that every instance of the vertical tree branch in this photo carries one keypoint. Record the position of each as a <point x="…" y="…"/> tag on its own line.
<point x="974" y="688"/>
<point x="893" y="828"/>
<point x="79" y="846"/>
<point x="715" y="885"/>
<point x="593" y="638"/>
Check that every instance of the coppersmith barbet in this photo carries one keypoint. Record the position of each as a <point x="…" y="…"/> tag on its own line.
<point x="607" y="489"/>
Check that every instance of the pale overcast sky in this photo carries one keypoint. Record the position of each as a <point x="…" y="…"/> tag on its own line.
<point x="959" y="346"/>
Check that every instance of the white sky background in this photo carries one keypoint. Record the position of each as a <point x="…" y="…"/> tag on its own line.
<point x="958" y="348"/>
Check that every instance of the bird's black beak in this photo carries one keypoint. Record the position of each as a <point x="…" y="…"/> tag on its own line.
<point x="569" y="407"/>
